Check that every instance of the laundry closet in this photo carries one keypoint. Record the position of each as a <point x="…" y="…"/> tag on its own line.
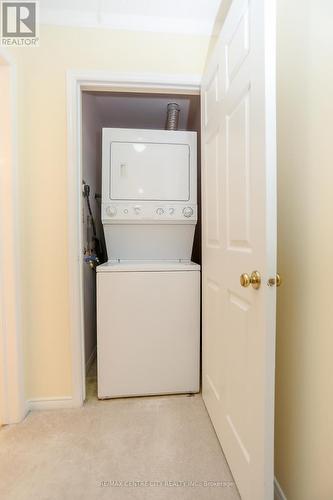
<point x="141" y="240"/>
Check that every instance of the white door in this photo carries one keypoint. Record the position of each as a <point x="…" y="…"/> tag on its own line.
<point x="239" y="236"/>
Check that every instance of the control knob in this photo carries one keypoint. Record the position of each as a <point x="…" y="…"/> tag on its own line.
<point x="111" y="211"/>
<point x="188" y="211"/>
<point x="159" y="211"/>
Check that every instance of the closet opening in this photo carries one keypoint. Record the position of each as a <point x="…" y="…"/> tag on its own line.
<point x="119" y="110"/>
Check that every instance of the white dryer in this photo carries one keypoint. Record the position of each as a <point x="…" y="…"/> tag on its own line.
<point x="149" y="193"/>
<point x="148" y="293"/>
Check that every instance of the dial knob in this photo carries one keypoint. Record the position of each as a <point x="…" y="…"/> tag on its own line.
<point x="171" y="211"/>
<point x="111" y="211"/>
<point x="159" y="211"/>
<point x="137" y="210"/>
<point x="188" y="211"/>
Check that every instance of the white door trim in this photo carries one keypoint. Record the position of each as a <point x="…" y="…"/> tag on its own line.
<point x="13" y="406"/>
<point x="77" y="81"/>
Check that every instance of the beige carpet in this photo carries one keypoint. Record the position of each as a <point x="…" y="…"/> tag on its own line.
<point x="99" y="450"/>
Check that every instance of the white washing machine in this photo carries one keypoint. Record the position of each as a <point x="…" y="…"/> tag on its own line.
<point x="148" y="293"/>
<point x="148" y="328"/>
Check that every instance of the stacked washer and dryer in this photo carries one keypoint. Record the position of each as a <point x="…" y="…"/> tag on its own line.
<point x="148" y="293"/>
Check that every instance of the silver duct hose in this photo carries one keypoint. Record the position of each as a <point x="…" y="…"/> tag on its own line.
<point x="172" y="116"/>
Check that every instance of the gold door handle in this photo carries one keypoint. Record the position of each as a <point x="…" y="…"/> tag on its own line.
<point x="276" y="281"/>
<point x="245" y="280"/>
<point x="254" y="280"/>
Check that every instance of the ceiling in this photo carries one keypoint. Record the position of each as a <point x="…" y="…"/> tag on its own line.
<point x="166" y="16"/>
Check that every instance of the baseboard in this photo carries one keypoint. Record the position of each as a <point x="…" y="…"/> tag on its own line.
<point x="52" y="403"/>
<point x="91" y="359"/>
<point x="278" y="491"/>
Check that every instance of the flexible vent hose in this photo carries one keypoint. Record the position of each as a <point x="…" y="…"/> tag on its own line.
<point x="172" y="116"/>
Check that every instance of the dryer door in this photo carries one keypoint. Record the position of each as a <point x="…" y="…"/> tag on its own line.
<point x="149" y="171"/>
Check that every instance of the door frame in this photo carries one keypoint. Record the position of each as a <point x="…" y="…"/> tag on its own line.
<point x="97" y="81"/>
<point x="13" y="407"/>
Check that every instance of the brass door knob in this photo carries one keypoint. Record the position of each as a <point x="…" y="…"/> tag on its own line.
<point x="245" y="280"/>
<point x="276" y="281"/>
<point x="254" y="280"/>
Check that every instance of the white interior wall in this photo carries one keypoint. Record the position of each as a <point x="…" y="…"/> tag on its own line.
<point x="12" y="408"/>
<point x="144" y="110"/>
<point x="304" y="395"/>
<point x="91" y="174"/>
<point x="131" y="110"/>
<point x="123" y="110"/>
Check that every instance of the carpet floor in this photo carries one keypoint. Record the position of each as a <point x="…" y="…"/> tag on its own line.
<point x="158" y="448"/>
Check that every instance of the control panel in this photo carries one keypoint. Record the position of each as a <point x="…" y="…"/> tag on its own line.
<point x="158" y="211"/>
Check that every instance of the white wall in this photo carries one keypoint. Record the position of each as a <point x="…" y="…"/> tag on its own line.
<point x="304" y="376"/>
<point x="91" y="174"/>
<point x="11" y="378"/>
<point x="144" y="110"/>
<point x="149" y="111"/>
<point x="128" y="111"/>
<point x="43" y="174"/>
